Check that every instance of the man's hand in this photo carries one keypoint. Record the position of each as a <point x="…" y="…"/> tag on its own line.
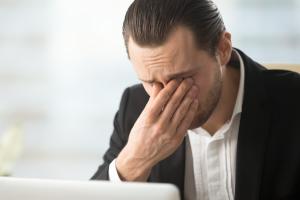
<point x="159" y="130"/>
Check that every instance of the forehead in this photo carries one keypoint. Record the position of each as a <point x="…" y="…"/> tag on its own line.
<point x="180" y="40"/>
<point x="176" y="55"/>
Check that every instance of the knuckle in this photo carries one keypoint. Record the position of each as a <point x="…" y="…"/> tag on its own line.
<point x="165" y="139"/>
<point x="175" y="117"/>
<point x="175" y="101"/>
<point x="151" y="112"/>
<point x="148" y="120"/>
<point x="159" y="129"/>
<point x="167" y="94"/>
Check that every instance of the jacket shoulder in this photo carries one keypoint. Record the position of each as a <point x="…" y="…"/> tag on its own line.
<point x="137" y="97"/>
<point x="283" y="86"/>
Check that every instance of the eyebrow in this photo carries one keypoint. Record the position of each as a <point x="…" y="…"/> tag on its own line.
<point x="174" y="76"/>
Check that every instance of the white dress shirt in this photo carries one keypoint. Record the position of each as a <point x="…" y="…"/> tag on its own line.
<point x="210" y="160"/>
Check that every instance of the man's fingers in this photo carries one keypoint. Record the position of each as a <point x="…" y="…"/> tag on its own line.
<point x="184" y="106"/>
<point x="163" y="97"/>
<point x="156" y="88"/>
<point x="176" y="100"/>
<point x="188" y="118"/>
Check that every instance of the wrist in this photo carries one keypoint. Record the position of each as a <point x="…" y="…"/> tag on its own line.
<point x="131" y="168"/>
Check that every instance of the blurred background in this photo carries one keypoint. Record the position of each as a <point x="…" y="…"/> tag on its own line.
<point x="63" y="68"/>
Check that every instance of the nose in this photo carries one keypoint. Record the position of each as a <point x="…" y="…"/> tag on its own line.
<point x="161" y="83"/>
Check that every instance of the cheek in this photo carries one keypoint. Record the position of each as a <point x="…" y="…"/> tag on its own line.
<point x="204" y="84"/>
<point x="201" y="82"/>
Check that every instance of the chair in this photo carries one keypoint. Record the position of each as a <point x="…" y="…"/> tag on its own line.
<point x="290" y="67"/>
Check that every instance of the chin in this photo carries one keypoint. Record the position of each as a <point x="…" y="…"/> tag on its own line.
<point x="203" y="115"/>
<point x="199" y="120"/>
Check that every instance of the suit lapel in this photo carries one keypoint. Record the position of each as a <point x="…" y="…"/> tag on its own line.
<point x="253" y="132"/>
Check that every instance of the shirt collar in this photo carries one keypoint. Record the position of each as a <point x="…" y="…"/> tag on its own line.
<point x="239" y="100"/>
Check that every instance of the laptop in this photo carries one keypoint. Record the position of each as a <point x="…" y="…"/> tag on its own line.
<point x="41" y="189"/>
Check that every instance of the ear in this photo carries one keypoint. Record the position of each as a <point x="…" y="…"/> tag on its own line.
<point x="224" y="48"/>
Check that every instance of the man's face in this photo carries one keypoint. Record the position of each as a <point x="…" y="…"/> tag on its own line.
<point x="179" y="58"/>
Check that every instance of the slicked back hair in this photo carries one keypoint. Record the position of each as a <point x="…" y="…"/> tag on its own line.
<point x="149" y="22"/>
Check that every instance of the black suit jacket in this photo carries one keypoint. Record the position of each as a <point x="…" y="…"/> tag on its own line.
<point x="268" y="148"/>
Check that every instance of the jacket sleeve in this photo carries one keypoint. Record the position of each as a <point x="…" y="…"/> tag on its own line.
<point x="118" y="139"/>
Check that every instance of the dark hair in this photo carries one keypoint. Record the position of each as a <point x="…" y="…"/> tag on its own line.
<point x="149" y="22"/>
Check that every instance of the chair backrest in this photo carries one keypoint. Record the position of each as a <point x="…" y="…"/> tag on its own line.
<point x="290" y="67"/>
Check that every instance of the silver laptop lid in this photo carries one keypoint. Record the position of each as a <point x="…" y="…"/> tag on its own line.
<point x="41" y="189"/>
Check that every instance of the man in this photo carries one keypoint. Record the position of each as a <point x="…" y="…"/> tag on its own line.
<point x="206" y="118"/>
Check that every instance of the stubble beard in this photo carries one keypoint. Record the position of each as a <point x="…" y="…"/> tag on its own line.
<point x="205" y="109"/>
